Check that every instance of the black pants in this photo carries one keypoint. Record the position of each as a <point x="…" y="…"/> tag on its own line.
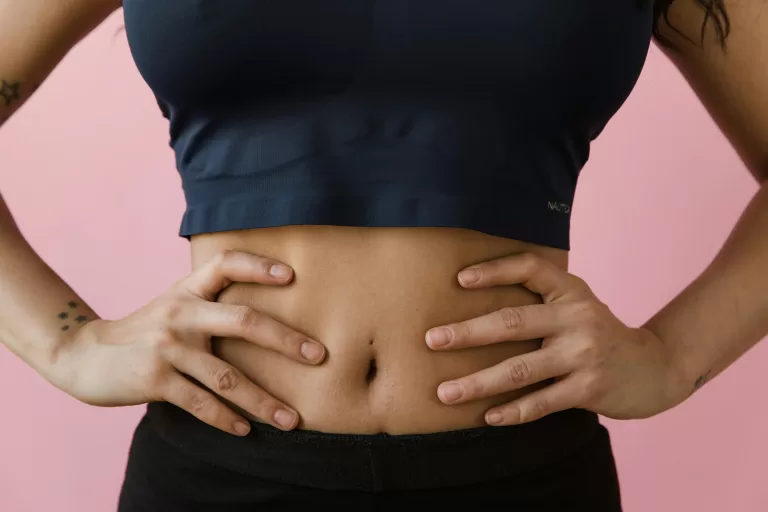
<point x="178" y="464"/>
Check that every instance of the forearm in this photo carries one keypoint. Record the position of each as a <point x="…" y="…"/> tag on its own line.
<point x="34" y="36"/>
<point x="724" y="312"/>
<point x="39" y="312"/>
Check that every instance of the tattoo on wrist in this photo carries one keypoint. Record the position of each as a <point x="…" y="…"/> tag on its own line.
<point x="71" y="316"/>
<point x="701" y="381"/>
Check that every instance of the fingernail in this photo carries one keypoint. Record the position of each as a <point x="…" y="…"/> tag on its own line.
<point x="279" y="271"/>
<point x="494" y="418"/>
<point x="439" y="336"/>
<point x="451" y="391"/>
<point x="284" y="418"/>
<point x="469" y="276"/>
<point x="312" y="351"/>
<point x="241" y="428"/>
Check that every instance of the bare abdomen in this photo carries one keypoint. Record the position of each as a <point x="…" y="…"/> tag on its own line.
<point x="370" y="294"/>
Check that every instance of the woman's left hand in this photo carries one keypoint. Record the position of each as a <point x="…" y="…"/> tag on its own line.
<point x="597" y="362"/>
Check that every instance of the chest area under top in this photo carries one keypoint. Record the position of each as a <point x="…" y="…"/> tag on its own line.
<point x="543" y="50"/>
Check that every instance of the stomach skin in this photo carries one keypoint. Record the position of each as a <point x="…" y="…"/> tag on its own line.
<point x="370" y="294"/>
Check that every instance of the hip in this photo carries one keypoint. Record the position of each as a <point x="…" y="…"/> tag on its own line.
<point x="562" y="462"/>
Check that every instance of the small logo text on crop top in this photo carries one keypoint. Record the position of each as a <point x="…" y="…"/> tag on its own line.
<point x="559" y="207"/>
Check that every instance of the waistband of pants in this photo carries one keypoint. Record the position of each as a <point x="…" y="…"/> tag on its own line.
<point x="379" y="462"/>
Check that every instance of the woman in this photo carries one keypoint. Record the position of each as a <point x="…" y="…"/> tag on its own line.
<point x="378" y="199"/>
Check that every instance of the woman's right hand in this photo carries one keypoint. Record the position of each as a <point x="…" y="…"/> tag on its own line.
<point x="148" y="355"/>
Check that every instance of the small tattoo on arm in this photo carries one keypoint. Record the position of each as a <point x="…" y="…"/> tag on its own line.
<point x="9" y="91"/>
<point x="79" y="319"/>
<point x="701" y="381"/>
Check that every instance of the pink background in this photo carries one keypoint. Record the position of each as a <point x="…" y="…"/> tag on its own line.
<point x="87" y="172"/>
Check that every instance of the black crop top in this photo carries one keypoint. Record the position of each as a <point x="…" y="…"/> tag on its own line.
<point x="454" y="113"/>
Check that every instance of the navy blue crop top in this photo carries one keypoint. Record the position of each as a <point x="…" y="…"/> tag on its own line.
<point x="453" y="113"/>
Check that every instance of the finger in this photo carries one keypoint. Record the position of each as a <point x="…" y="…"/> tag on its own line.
<point x="228" y="382"/>
<point x="514" y="373"/>
<point x="235" y="321"/>
<point x="203" y="405"/>
<point x="528" y="269"/>
<point x="234" y="266"/>
<point x="559" y="396"/>
<point x="507" y="324"/>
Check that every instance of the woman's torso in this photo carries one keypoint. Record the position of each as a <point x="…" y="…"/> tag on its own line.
<point x="378" y="147"/>
<point x="370" y="294"/>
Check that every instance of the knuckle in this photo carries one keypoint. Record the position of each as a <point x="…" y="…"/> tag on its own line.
<point x="293" y="340"/>
<point x="577" y="282"/>
<point x="262" y="403"/>
<point x="225" y="380"/>
<point x="171" y="311"/>
<point x="532" y="262"/>
<point x="582" y="309"/>
<point x="461" y="331"/>
<point x="160" y="347"/>
<point x="592" y="315"/>
<point x="164" y="341"/>
<point x="574" y="311"/>
<point x="478" y="388"/>
<point x="246" y="317"/>
<point x="517" y="371"/>
<point x="472" y="387"/>
<point x="539" y="407"/>
<point x="222" y="258"/>
<point x="262" y="406"/>
<point x="196" y="403"/>
<point x="512" y="318"/>
<point x="587" y="351"/>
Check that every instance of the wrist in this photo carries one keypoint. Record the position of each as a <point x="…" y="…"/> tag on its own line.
<point x="677" y="376"/>
<point x="61" y="360"/>
<point x="680" y="376"/>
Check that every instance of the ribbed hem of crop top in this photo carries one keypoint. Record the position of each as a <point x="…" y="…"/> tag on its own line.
<point x="508" y="217"/>
<point x="388" y="181"/>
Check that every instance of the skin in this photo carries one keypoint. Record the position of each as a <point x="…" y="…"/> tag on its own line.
<point x="370" y="295"/>
<point x="527" y="338"/>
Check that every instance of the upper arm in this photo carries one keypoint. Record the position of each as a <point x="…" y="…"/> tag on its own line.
<point x="35" y="35"/>
<point x="732" y="83"/>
